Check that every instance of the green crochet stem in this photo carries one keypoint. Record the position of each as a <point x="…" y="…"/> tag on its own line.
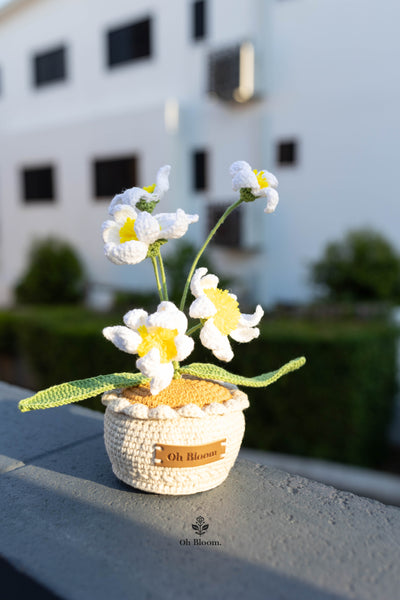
<point x="163" y="278"/>
<point x="75" y="391"/>
<point x="204" y="246"/>
<point x="208" y="371"/>
<point x="157" y="275"/>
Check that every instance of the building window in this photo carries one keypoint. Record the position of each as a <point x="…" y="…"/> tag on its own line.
<point x="199" y="171"/>
<point x="199" y="29"/>
<point x="229" y="233"/>
<point x="112" y="176"/>
<point x="128" y="43"/>
<point x="49" y="67"/>
<point x="287" y="153"/>
<point x="38" y="184"/>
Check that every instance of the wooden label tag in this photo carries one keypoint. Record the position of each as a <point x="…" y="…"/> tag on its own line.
<point x="189" y="456"/>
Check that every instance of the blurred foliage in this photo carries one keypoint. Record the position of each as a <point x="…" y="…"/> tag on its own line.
<point x="54" y="275"/>
<point x="339" y="405"/>
<point x="124" y="301"/>
<point x="336" y="407"/>
<point x="363" y="266"/>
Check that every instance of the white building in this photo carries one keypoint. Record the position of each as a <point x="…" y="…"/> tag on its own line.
<point x="86" y="82"/>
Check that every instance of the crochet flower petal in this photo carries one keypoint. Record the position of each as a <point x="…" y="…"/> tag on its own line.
<point x="110" y="232"/>
<point x="129" y="198"/>
<point x="272" y="200"/>
<point x="252" y="320"/>
<point x="195" y="286"/>
<point x="169" y="317"/>
<point x="174" y="225"/>
<point x="123" y="338"/>
<point x="160" y="373"/>
<point x="167" y="306"/>
<point x="244" y="334"/>
<point x="213" y="339"/>
<point x="129" y="253"/>
<point x="239" y="165"/>
<point x="118" y="199"/>
<point x="270" y="177"/>
<point x="134" y="194"/>
<point x="184" y="346"/>
<point x="122" y="212"/>
<point x="161" y="379"/>
<point x="135" y="318"/>
<point x="162" y="181"/>
<point x="200" y="281"/>
<point x="146" y="228"/>
<point x="245" y="178"/>
<point x="150" y="363"/>
<point x="259" y="182"/>
<point x="202" y="308"/>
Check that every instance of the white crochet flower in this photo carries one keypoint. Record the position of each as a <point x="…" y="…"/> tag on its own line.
<point x="222" y="316"/>
<point x="128" y="235"/>
<point x="158" y="339"/>
<point x="150" y="193"/>
<point x="260" y="183"/>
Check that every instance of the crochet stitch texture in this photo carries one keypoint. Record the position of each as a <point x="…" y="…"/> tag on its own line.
<point x="188" y="390"/>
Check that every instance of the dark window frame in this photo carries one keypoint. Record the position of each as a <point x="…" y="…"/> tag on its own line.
<point x="124" y="35"/>
<point x="287" y="152"/>
<point x="198" y="20"/>
<point x="34" y="186"/>
<point x="42" y="79"/>
<point x="230" y="234"/>
<point x="105" y="184"/>
<point x="200" y="170"/>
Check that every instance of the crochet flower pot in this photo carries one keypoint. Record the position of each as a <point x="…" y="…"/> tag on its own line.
<point x="186" y="444"/>
<point x="173" y="428"/>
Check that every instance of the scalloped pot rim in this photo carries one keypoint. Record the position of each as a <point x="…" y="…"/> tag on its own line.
<point x="118" y="404"/>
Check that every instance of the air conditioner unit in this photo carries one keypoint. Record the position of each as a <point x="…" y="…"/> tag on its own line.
<point x="229" y="234"/>
<point x="231" y="73"/>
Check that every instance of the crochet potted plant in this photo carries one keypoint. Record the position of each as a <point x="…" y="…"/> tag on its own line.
<point x="171" y="428"/>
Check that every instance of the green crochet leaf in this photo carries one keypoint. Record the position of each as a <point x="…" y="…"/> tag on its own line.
<point x="74" y="391"/>
<point x="208" y="371"/>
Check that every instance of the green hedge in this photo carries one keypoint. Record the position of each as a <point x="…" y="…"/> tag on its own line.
<point x="336" y="407"/>
<point x="339" y="405"/>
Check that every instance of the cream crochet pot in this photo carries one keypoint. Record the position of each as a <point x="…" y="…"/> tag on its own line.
<point x="174" y="450"/>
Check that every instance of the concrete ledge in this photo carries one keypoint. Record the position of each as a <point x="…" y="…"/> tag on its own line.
<point x="72" y="526"/>
<point x="384" y="487"/>
<point x="26" y="436"/>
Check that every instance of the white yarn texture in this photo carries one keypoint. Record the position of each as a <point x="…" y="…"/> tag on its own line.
<point x="131" y="440"/>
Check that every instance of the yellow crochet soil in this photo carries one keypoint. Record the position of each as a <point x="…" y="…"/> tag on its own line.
<point x="187" y="390"/>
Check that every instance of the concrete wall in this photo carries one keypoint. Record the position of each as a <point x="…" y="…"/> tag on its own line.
<point x="335" y="90"/>
<point x="325" y="76"/>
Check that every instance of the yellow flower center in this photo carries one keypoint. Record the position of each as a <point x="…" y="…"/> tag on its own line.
<point x="262" y="182"/>
<point x="158" y="337"/>
<point x="150" y="188"/>
<point x="227" y="316"/>
<point x="127" y="232"/>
